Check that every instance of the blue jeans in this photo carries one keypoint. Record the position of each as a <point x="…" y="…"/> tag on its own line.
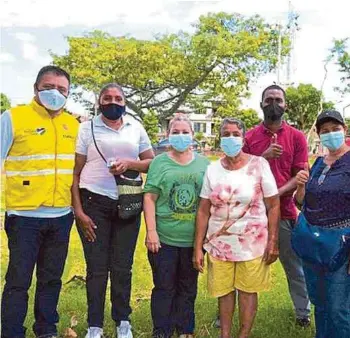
<point x="174" y="292"/>
<point x="293" y="268"/>
<point x="330" y="293"/>
<point x="34" y="241"/>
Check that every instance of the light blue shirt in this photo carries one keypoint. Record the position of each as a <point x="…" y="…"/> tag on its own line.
<point x="6" y="144"/>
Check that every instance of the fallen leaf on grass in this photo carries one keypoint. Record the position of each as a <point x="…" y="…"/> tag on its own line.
<point x="70" y="333"/>
<point x="73" y="321"/>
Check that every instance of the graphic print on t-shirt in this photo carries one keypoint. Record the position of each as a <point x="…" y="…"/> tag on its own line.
<point x="183" y="197"/>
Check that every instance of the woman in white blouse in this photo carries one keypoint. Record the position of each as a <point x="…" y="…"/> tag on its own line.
<point x="108" y="240"/>
<point x="237" y="222"/>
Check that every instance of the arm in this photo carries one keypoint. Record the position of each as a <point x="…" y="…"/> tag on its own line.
<point x="141" y="165"/>
<point x="288" y="187"/>
<point x="149" y="209"/>
<point x="6" y="139"/>
<point x="80" y="161"/>
<point x="301" y="180"/>
<point x="202" y="220"/>
<point x="83" y="221"/>
<point x="273" y="214"/>
<point x="300" y="157"/>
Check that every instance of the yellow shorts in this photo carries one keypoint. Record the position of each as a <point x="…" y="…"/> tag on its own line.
<point x="225" y="276"/>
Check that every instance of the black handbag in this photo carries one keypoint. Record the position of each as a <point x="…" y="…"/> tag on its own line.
<point x="129" y="185"/>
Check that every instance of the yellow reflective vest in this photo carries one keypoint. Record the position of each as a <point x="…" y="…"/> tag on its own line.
<point x="39" y="165"/>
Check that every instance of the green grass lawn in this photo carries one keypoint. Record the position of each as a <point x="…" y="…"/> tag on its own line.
<point x="275" y="316"/>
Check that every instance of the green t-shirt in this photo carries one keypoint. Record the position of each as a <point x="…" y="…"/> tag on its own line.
<point x="178" y="187"/>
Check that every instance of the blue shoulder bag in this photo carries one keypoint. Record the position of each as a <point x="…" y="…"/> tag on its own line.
<point x="327" y="248"/>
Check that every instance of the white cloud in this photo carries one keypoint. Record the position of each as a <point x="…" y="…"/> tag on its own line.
<point x="26" y="37"/>
<point x="29" y="51"/>
<point x="6" y="57"/>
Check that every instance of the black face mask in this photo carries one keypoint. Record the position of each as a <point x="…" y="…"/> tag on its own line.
<point x="273" y="112"/>
<point x="112" y="111"/>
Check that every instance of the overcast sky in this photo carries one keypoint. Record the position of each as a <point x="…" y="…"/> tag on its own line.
<point x="30" y="28"/>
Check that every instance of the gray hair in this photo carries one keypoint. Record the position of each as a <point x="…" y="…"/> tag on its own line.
<point x="109" y="86"/>
<point x="231" y="120"/>
<point x="180" y="117"/>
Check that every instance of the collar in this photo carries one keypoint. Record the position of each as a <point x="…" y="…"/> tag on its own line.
<point x="266" y="130"/>
<point x="98" y="122"/>
<point x="41" y="110"/>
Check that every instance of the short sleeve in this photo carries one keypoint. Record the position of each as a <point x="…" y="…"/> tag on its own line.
<point x="154" y="179"/>
<point x="268" y="182"/>
<point x="300" y="152"/>
<point x="206" y="187"/>
<point x="6" y="134"/>
<point x="83" y="139"/>
<point x="145" y="143"/>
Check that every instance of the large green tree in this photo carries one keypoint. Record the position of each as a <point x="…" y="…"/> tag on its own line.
<point x="340" y="52"/>
<point x="304" y="103"/>
<point x="215" y="62"/>
<point x="5" y="103"/>
<point x="249" y="116"/>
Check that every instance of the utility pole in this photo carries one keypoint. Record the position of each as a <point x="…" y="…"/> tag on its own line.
<point x="279" y="55"/>
<point x="291" y="29"/>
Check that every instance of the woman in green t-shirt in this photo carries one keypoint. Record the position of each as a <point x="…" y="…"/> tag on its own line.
<point x="172" y="190"/>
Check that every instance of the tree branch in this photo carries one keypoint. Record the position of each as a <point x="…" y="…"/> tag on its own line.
<point x="321" y="98"/>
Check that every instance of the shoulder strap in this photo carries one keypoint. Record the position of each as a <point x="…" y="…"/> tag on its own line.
<point x="93" y="137"/>
<point x="316" y="165"/>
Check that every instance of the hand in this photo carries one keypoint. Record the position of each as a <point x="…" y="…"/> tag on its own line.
<point x="271" y="252"/>
<point x="119" y="167"/>
<point x="86" y="225"/>
<point x="152" y="241"/>
<point x="198" y="260"/>
<point x="275" y="150"/>
<point x="303" y="176"/>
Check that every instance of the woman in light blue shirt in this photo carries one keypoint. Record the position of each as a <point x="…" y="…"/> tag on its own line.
<point x="108" y="240"/>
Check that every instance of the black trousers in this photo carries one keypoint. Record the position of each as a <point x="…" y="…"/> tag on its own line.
<point x="111" y="254"/>
<point x="175" y="290"/>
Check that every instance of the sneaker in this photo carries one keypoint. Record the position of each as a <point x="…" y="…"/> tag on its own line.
<point x="124" y="330"/>
<point x="94" y="332"/>
<point x="303" y="322"/>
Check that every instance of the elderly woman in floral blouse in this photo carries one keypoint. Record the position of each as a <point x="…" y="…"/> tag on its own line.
<point x="237" y="225"/>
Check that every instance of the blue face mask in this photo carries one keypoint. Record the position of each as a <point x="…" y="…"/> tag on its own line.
<point x="334" y="140"/>
<point x="231" y="145"/>
<point x="180" y="142"/>
<point x="52" y="99"/>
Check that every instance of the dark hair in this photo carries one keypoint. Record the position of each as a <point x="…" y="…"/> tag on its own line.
<point x="231" y="120"/>
<point x="52" y="69"/>
<point x="274" y="86"/>
<point x="108" y="86"/>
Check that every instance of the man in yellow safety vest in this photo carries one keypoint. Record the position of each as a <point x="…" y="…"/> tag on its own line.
<point x="37" y="146"/>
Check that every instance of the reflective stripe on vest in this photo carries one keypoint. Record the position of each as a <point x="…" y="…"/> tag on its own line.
<point x="40" y="157"/>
